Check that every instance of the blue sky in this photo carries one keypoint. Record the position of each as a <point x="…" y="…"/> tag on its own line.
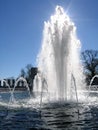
<point x="21" y="27"/>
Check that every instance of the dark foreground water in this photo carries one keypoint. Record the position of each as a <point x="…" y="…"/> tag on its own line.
<point x="53" y="116"/>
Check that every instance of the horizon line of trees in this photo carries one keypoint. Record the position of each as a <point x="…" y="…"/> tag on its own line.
<point x="89" y="61"/>
<point x="90" y="64"/>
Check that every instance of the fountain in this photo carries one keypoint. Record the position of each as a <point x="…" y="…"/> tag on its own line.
<point x="6" y="84"/>
<point x="11" y="92"/>
<point x="8" y="90"/>
<point x="96" y="76"/>
<point x="26" y="84"/>
<point x="59" y="58"/>
<point x="60" y="78"/>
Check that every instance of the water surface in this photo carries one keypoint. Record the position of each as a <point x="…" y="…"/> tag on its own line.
<point x="53" y="116"/>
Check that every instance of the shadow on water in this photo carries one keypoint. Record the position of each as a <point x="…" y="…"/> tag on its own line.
<point x="65" y="117"/>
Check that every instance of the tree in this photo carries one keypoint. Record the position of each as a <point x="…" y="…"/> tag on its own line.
<point x="23" y="73"/>
<point x="29" y="73"/>
<point x="90" y="60"/>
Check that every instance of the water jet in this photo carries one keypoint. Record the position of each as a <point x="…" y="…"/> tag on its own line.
<point x="59" y="57"/>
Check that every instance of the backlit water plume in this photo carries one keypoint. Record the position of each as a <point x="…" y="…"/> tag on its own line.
<point x="59" y="58"/>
